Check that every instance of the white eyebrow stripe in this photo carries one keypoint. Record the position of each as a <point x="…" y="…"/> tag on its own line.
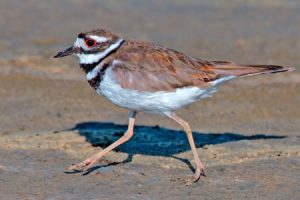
<point x="80" y="42"/>
<point x="92" y="58"/>
<point x="99" y="39"/>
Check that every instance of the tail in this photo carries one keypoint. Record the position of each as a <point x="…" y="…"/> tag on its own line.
<point x="231" y="69"/>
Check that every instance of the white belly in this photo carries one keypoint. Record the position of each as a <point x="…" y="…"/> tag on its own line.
<point x="155" y="102"/>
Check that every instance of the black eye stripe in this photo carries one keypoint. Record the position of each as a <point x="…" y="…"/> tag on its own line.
<point x="82" y="50"/>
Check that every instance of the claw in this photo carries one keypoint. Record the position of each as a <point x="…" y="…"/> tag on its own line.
<point x="203" y="172"/>
<point x="80" y="166"/>
<point x="199" y="172"/>
<point x="88" y="166"/>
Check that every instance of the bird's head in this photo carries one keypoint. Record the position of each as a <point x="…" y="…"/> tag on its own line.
<point x="92" y="46"/>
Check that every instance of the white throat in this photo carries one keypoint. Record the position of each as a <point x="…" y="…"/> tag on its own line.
<point x="93" y="58"/>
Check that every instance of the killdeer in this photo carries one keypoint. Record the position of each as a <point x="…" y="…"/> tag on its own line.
<point x="145" y="77"/>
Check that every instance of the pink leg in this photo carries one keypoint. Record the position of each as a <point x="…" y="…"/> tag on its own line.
<point x="199" y="166"/>
<point x="88" y="163"/>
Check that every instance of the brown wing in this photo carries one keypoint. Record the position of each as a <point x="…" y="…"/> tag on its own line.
<point x="229" y="68"/>
<point x="147" y="67"/>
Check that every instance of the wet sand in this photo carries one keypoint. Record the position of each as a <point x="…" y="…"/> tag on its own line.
<point x="247" y="134"/>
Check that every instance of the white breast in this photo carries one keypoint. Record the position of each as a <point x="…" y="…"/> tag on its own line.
<point x="155" y="102"/>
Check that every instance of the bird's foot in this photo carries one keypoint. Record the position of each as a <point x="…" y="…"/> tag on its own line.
<point x="200" y="171"/>
<point x="84" y="166"/>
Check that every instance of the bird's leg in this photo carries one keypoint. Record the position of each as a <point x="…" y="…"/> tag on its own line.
<point x="88" y="163"/>
<point x="199" y="166"/>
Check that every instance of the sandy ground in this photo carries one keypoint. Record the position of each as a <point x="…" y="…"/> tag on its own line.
<point x="247" y="134"/>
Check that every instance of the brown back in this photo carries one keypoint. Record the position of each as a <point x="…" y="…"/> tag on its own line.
<point x="148" y="67"/>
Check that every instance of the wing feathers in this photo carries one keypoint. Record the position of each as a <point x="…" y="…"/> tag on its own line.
<point x="148" y="67"/>
<point x="228" y="68"/>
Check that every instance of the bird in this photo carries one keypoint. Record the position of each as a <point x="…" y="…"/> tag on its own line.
<point x="146" y="77"/>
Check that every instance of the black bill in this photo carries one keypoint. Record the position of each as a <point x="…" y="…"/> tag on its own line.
<point x="67" y="52"/>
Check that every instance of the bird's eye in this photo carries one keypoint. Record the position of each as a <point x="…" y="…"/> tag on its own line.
<point x="90" y="42"/>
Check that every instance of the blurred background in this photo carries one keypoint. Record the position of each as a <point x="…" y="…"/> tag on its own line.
<point x="256" y="32"/>
<point x="39" y="94"/>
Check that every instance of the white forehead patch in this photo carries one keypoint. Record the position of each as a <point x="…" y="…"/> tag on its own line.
<point x="99" y="39"/>
<point x="80" y="43"/>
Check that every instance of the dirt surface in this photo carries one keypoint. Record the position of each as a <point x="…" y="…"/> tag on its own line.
<point x="247" y="134"/>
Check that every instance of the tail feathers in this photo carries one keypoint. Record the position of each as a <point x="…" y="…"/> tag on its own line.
<point x="231" y="69"/>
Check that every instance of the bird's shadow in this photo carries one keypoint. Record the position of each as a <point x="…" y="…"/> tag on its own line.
<point x="154" y="140"/>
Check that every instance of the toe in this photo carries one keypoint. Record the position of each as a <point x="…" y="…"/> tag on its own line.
<point x="198" y="173"/>
<point x="202" y="172"/>
<point x="79" y="166"/>
<point x="88" y="166"/>
<point x="189" y="181"/>
<point x="74" y="167"/>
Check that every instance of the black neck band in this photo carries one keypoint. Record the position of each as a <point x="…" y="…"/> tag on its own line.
<point x="89" y="67"/>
